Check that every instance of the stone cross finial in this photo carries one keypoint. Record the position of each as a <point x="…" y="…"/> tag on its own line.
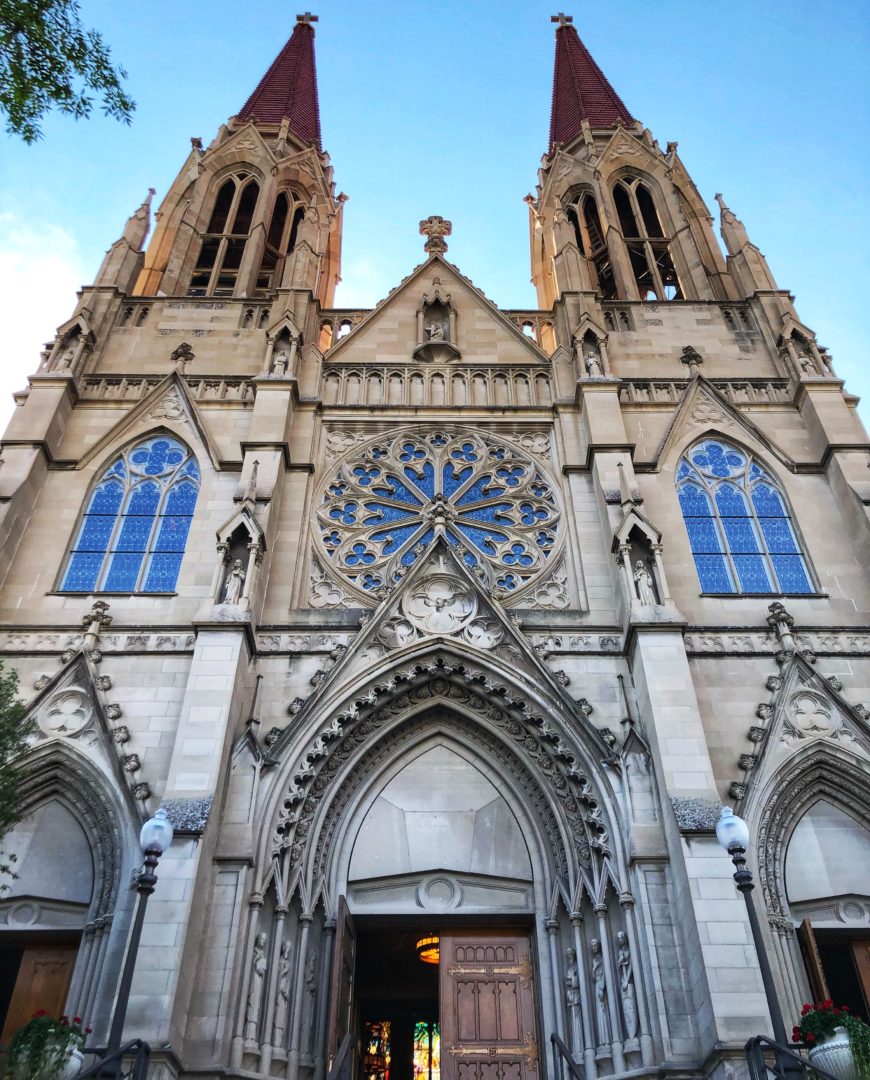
<point x="692" y="359"/>
<point x="435" y="228"/>
<point x="307" y="18"/>
<point x="562" y="19"/>
<point x="92" y="623"/>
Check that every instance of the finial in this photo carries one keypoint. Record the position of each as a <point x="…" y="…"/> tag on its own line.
<point x="562" y="19"/>
<point x="435" y="228"/>
<point x="306" y="19"/>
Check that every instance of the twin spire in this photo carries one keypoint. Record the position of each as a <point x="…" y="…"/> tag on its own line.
<point x="289" y="87"/>
<point x="580" y="88"/>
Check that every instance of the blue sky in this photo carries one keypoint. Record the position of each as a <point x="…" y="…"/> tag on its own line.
<point x="444" y="109"/>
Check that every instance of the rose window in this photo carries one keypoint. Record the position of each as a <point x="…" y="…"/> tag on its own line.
<point x="386" y="503"/>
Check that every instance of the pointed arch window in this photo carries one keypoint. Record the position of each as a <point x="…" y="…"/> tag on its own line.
<point x="132" y="535"/>
<point x="223" y="243"/>
<point x="584" y="217"/>
<point x="645" y="241"/>
<point x="738" y="522"/>
<point x="280" y="239"/>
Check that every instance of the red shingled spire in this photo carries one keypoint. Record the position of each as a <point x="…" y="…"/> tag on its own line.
<point x="580" y="89"/>
<point x="289" y="87"/>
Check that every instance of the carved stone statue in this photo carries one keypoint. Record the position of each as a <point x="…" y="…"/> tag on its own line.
<point x="255" y="993"/>
<point x="310" y="995"/>
<point x="280" y="360"/>
<point x="435" y="332"/>
<point x="282" y="996"/>
<point x="234" y="583"/>
<point x="572" y="997"/>
<point x="626" y="985"/>
<point x="593" y="366"/>
<point x="644" y="584"/>
<point x="602" y="1019"/>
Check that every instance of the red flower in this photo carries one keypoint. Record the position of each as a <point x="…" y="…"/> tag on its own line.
<point x="77" y="1019"/>
<point x="806" y="1009"/>
<point x="88" y="1031"/>
<point x="810" y="1037"/>
<point x="40" y="1012"/>
<point x="64" y="1021"/>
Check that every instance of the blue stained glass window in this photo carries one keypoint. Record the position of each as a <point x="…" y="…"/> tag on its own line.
<point x="739" y="528"/>
<point x="133" y="532"/>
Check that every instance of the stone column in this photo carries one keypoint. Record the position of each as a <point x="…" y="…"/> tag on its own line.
<point x="589" y="1062"/>
<point x="612" y="982"/>
<point x="255" y="906"/>
<point x="293" y="1056"/>
<point x="323" y="1014"/>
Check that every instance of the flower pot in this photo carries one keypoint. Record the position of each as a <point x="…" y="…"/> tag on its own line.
<point x="834" y="1055"/>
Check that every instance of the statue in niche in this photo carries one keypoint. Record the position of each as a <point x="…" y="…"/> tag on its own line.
<point x="255" y="994"/>
<point x="593" y="366"/>
<point x="310" y="993"/>
<point x="234" y="584"/>
<point x="626" y="985"/>
<point x="280" y="360"/>
<point x="602" y="1020"/>
<point x="435" y="332"/>
<point x="643" y="583"/>
<point x="572" y="997"/>
<point x="282" y="996"/>
<point x="68" y="357"/>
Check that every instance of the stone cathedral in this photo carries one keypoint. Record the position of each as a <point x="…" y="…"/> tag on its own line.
<point x="441" y="632"/>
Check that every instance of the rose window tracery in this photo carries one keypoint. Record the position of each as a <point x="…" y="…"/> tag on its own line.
<point x="388" y="500"/>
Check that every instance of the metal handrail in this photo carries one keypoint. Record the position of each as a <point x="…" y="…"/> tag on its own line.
<point x="108" y="1066"/>
<point x="560" y="1050"/>
<point x="787" y="1062"/>
<point x="341" y="1063"/>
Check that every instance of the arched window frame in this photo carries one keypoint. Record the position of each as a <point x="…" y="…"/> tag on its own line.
<point x="578" y="210"/>
<point x="278" y="247"/>
<point x="755" y="552"/>
<point x="114" y="548"/>
<point x="222" y="250"/>
<point x="648" y="248"/>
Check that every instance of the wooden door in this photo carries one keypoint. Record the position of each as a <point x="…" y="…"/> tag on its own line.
<point x="812" y="961"/>
<point x="488" y="1029"/>
<point x="861" y="956"/>
<point x="42" y="983"/>
<point x="341" y="1003"/>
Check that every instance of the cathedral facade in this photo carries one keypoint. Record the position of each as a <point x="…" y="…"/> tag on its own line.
<point x="441" y="632"/>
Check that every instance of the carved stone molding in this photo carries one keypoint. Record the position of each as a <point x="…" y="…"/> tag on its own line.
<point x="539" y="742"/>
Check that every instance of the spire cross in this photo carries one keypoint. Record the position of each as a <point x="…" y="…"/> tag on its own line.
<point x="307" y="18"/>
<point x="562" y="19"/>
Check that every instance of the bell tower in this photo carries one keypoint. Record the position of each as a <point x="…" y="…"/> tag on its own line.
<point x="615" y="215"/>
<point x="256" y="210"/>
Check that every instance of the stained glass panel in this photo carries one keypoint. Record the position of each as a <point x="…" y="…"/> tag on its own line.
<point x="726" y="496"/>
<point x="427" y="1050"/>
<point x="144" y="502"/>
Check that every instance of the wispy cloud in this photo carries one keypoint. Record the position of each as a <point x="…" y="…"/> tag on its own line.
<point x="40" y="271"/>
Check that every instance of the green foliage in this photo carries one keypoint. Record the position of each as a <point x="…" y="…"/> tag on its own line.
<point x="47" y="60"/>
<point x="14" y="730"/>
<point x="39" y="1050"/>
<point x="818" y="1023"/>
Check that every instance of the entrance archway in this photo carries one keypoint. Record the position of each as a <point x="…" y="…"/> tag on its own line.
<point x="570" y="907"/>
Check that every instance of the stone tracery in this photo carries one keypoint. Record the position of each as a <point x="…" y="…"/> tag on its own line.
<point x="387" y="501"/>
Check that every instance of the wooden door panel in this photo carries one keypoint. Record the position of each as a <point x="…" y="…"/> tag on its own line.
<point x="341" y="1003"/>
<point x="861" y="955"/>
<point x="42" y="983"/>
<point x="487" y="1007"/>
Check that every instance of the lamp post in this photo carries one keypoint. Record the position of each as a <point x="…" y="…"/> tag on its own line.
<point x="732" y="833"/>
<point x="154" y="839"/>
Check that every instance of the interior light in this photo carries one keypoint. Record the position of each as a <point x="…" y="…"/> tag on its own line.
<point x="429" y="949"/>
